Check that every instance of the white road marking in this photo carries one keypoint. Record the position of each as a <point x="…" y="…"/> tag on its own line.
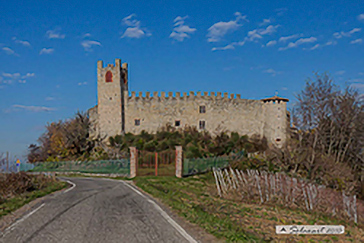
<point x="11" y="227"/>
<point x="22" y="219"/>
<point x="69" y="189"/>
<point x="164" y="215"/>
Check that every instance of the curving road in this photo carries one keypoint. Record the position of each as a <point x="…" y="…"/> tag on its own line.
<point x="96" y="210"/>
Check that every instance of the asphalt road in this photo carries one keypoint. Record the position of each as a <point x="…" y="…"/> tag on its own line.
<point x="96" y="210"/>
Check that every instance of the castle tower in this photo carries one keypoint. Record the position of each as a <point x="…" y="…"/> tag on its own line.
<point x="277" y="122"/>
<point x="112" y="81"/>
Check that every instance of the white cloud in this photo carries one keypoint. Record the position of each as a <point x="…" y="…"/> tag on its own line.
<point x="341" y="34"/>
<point x="86" y="35"/>
<point x="271" y="43"/>
<point x="22" y="42"/>
<point x="271" y="71"/>
<point x="84" y="83"/>
<point x="55" y="34"/>
<point x="315" y="47"/>
<point x="341" y="72"/>
<point x="8" y="51"/>
<point x="360" y="17"/>
<point x="49" y="98"/>
<point x="180" y="30"/>
<point x="298" y="42"/>
<point x="46" y="51"/>
<point x="218" y="30"/>
<point x="87" y="44"/>
<point x="224" y="48"/>
<point x="253" y="35"/>
<point x="134" y="30"/>
<point x="357" y="41"/>
<point x="28" y="75"/>
<point x="34" y="108"/>
<point x="265" y="22"/>
<point x="330" y="43"/>
<point x="230" y="46"/>
<point x="281" y="11"/>
<point x="286" y="38"/>
<point x="269" y="30"/>
<point x="13" y="77"/>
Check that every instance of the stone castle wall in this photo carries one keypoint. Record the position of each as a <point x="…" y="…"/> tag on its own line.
<point x="117" y="110"/>
<point x="223" y="113"/>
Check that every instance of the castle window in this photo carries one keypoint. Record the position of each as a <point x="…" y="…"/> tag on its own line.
<point x="137" y="122"/>
<point x="177" y="123"/>
<point x="202" y="109"/>
<point x="202" y="124"/>
<point x="108" y="77"/>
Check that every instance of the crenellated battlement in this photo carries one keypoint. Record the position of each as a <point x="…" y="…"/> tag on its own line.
<point x="119" y="111"/>
<point x="183" y="96"/>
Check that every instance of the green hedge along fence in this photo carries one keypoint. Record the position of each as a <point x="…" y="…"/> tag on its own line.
<point x="102" y="166"/>
<point x="201" y="165"/>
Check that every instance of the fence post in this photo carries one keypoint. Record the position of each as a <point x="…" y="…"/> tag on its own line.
<point x="133" y="158"/>
<point x="156" y="163"/>
<point x="179" y="162"/>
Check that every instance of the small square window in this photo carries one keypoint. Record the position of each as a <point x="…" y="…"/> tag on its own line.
<point x="137" y="122"/>
<point x="177" y="123"/>
<point x="202" y="124"/>
<point x="202" y="109"/>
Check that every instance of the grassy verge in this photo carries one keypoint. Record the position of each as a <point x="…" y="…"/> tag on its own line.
<point x="195" y="198"/>
<point x="18" y="201"/>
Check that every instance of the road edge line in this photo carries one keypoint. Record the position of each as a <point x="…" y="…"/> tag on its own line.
<point x="164" y="215"/>
<point x="69" y="189"/>
<point x="11" y="227"/>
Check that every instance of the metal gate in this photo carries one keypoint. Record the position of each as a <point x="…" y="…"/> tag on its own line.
<point x="156" y="163"/>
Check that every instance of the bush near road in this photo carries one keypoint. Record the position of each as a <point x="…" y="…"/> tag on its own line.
<point x="18" y="189"/>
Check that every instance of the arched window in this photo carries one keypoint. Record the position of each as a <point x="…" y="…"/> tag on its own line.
<point x="108" y="77"/>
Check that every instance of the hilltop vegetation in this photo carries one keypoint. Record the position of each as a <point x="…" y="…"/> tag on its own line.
<point x="325" y="145"/>
<point x="70" y="140"/>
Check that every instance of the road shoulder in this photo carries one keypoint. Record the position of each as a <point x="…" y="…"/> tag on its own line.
<point x="194" y="230"/>
<point x="11" y="218"/>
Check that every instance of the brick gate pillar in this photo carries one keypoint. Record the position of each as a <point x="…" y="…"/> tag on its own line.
<point x="179" y="162"/>
<point x="133" y="161"/>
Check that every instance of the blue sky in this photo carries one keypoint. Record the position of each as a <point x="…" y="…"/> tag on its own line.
<point x="48" y="52"/>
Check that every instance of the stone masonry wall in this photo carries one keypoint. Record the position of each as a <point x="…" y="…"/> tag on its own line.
<point x="109" y="99"/>
<point x="117" y="110"/>
<point x="225" y="112"/>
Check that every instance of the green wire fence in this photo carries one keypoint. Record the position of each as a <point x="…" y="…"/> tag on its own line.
<point x="101" y="167"/>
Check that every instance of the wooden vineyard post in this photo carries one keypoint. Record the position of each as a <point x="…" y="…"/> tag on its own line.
<point x="156" y="163"/>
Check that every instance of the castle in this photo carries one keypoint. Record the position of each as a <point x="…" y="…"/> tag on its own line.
<point x="118" y="111"/>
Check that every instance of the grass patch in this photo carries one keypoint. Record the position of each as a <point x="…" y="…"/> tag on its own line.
<point x="14" y="203"/>
<point x="195" y="198"/>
